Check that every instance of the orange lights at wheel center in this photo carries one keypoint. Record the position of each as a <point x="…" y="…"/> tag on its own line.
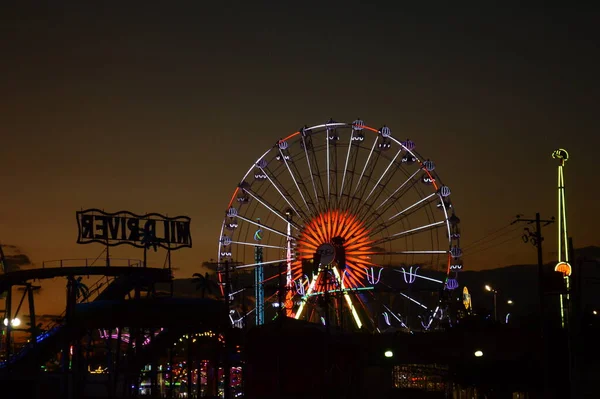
<point x="322" y="229"/>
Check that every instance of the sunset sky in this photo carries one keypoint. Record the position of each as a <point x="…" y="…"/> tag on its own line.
<point x="163" y="108"/>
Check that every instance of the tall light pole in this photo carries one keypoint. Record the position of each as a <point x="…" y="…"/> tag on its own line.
<point x="563" y="266"/>
<point x="495" y="292"/>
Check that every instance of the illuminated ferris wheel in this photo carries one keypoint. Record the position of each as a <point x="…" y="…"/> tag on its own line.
<point x="344" y="225"/>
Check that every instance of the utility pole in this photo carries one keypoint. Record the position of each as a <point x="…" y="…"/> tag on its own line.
<point x="536" y="238"/>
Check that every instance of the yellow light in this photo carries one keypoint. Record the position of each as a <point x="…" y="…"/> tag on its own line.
<point x="388" y="353"/>
<point x="510" y="302"/>
<point x="467" y="298"/>
<point x="310" y="290"/>
<point x="348" y="299"/>
<point x="478" y="353"/>
<point x="595" y="312"/>
<point x="488" y="288"/>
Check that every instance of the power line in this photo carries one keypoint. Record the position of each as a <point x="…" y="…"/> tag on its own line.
<point x="483" y="243"/>
<point x="492" y="246"/>
<point x="486" y="236"/>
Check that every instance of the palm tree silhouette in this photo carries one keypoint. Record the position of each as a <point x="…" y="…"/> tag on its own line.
<point x="204" y="283"/>
<point x="82" y="290"/>
<point x="149" y="239"/>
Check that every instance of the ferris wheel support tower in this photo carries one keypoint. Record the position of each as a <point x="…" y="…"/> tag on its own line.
<point x="563" y="266"/>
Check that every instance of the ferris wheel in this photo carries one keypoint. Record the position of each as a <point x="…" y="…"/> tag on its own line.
<point x="344" y="225"/>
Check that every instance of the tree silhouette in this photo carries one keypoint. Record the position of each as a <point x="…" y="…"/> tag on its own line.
<point x="149" y="239"/>
<point x="204" y="283"/>
<point x="82" y="290"/>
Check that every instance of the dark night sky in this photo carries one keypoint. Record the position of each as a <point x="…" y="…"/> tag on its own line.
<point x="163" y="108"/>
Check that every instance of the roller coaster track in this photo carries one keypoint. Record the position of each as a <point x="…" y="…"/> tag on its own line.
<point x="116" y="283"/>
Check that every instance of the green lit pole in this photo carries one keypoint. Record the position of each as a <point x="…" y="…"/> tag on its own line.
<point x="563" y="266"/>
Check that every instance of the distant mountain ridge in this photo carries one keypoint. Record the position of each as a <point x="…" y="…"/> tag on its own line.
<point x="518" y="283"/>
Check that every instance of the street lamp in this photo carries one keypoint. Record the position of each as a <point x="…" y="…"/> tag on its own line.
<point x="478" y="353"/>
<point x="495" y="292"/>
<point x="510" y="302"/>
<point x="388" y="353"/>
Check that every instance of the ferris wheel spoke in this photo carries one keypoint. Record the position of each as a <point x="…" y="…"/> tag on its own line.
<point x="416" y="230"/>
<point x="419" y="276"/>
<point x="254" y="244"/>
<point x="312" y="178"/>
<point x="370" y="212"/>
<point x="445" y="214"/>
<point x="272" y="180"/>
<point x="341" y="192"/>
<point x="316" y="172"/>
<point x="400" y="187"/>
<point x="249" y="312"/>
<point x="276" y="275"/>
<point x="270" y="207"/>
<point x="391" y="200"/>
<point x="416" y="204"/>
<point x="335" y="173"/>
<point x="312" y="207"/>
<point x="413" y="300"/>
<point x="347" y="298"/>
<point x="295" y="181"/>
<point x="262" y="226"/>
<point x="319" y="178"/>
<point x="359" y="206"/>
<point x="270" y="262"/>
<point x="350" y="198"/>
<point x="365" y="167"/>
<point x="396" y="317"/>
<point x="382" y="176"/>
<point x="328" y="170"/>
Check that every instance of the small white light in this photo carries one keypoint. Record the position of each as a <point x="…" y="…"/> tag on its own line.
<point x="488" y="288"/>
<point x="16" y="322"/>
<point x="478" y="353"/>
<point x="388" y="353"/>
<point x="510" y="302"/>
<point x="6" y="322"/>
<point x="595" y="312"/>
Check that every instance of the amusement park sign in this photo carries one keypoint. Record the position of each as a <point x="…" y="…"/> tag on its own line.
<point x="149" y="230"/>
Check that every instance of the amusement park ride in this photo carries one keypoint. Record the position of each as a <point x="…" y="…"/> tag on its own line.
<point x="339" y="224"/>
<point x="121" y="324"/>
<point x="346" y="220"/>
